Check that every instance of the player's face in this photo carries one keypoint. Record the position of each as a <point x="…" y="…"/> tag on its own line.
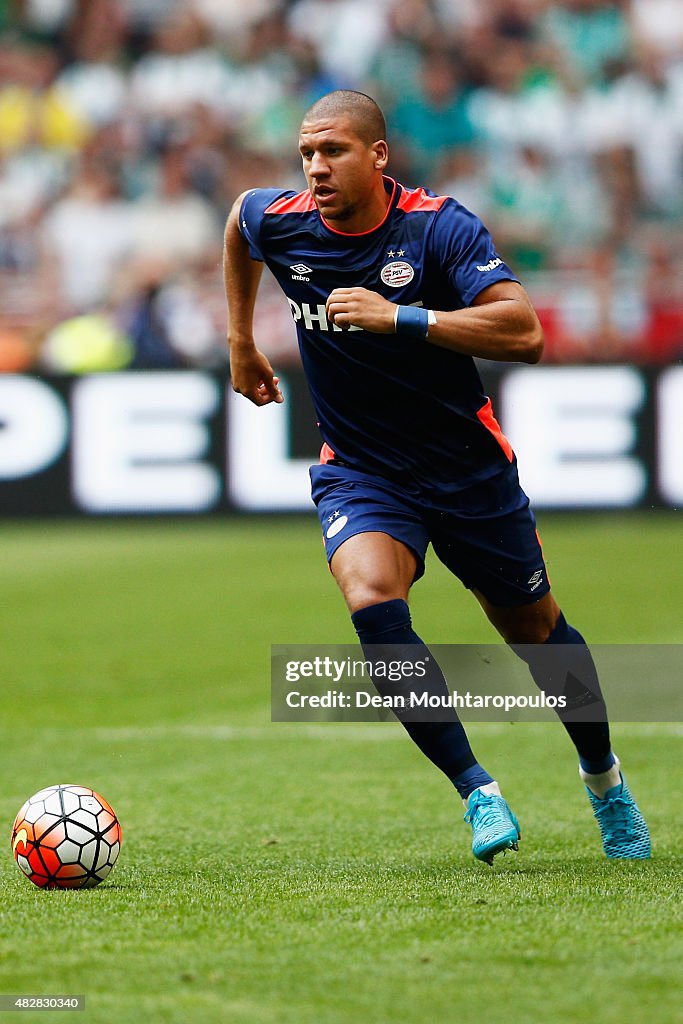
<point x="344" y="173"/>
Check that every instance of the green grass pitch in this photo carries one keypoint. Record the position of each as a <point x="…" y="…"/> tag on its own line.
<point x="287" y="874"/>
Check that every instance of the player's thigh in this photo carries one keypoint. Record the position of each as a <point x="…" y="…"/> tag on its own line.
<point x="374" y="537"/>
<point x="499" y="557"/>
<point x="373" y="567"/>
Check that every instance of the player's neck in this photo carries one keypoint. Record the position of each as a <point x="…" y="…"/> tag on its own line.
<point x="370" y="216"/>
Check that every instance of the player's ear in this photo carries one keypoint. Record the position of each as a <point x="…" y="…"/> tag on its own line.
<point x="381" y="153"/>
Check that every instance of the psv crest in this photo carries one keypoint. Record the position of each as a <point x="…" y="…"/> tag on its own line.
<point x="397" y="274"/>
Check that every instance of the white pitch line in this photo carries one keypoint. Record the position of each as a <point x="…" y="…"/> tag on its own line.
<point x="324" y="731"/>
<point x="334" y="730"/>
<point x="274" y="731"/>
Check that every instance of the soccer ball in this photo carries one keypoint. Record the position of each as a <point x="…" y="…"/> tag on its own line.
<point x="66" y="837"/>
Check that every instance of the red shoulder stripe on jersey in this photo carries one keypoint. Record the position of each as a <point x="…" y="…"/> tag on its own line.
<point x="488" y="420"/>
<point x="417" y="199"/>
<point x="301" y="203"/>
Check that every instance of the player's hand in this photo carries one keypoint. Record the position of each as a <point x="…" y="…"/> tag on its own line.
<point x="361" y="308"/>
<point x="252" y="376"/>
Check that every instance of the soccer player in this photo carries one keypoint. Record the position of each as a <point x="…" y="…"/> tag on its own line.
<point x="393" y="291"/>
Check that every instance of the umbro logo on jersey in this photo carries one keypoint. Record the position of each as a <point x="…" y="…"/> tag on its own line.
<point x="300" y="269"/>
<point x="491" y="265"/>
<point x="535" y="580"/>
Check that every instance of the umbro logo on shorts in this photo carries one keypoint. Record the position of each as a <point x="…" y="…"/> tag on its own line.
<point x="535" y="580"/>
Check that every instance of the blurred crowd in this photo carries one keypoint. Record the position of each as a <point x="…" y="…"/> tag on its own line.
<point x="127" y="128"/>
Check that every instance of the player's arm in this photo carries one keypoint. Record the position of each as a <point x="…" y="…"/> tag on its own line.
<point x="500" y="324"/>
<point x="250" y="371"/>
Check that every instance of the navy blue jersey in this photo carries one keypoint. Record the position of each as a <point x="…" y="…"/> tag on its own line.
<point x="387" y="403"/>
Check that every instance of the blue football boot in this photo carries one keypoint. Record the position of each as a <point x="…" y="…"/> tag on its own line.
<point x="623" y="830"/>
<point x="494" y="826"/>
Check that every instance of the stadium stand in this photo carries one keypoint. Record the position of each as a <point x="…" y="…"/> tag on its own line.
<point x="127" y="129"/>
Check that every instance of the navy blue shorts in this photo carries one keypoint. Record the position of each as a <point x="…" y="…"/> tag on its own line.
<point x="486" y="535"/>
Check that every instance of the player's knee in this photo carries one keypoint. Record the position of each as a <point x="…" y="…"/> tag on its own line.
<point x="528" y="624"/>
<point x="531" y="632"/>
<point x="361" y="594"/>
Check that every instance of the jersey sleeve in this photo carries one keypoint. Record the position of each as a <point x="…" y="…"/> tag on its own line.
<point x="254" y="205"/>
<point x="465" y="251"/>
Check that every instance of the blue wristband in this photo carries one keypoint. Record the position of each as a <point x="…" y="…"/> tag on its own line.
<point x="413" y="321"/>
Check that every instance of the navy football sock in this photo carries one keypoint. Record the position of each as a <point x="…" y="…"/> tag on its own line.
<point x="597" y="767"/>
<point x="563" y="667"/>
<point x="444" y="742"/>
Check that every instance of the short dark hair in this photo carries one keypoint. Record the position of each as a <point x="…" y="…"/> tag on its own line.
<point x="367" y="117"/>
